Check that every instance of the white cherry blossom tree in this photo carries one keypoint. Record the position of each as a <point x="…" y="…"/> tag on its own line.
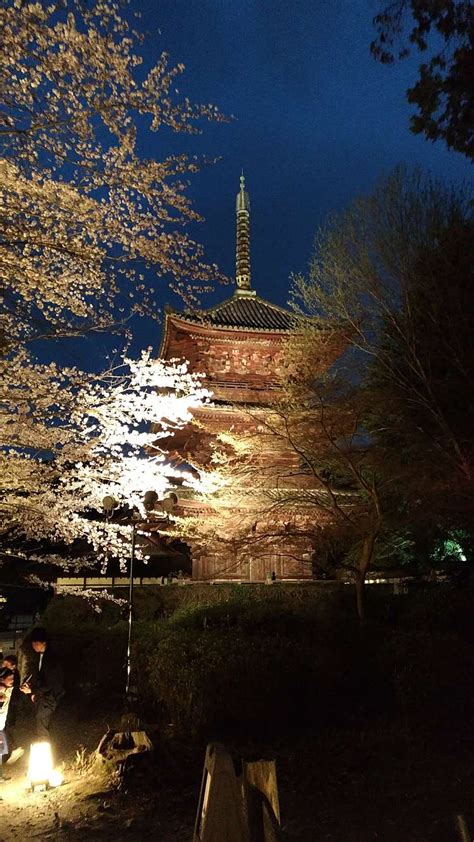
<point x="85" y="220"/>
<point x="96" y="439"/>
<point x="82" y="211"/>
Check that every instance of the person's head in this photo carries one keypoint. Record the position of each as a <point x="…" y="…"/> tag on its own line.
<point x="6" y="678"/>
<point x="10" y="662"/>
<point x="39" y="640"/>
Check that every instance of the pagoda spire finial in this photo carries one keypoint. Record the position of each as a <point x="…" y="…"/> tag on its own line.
<point x="242" y="259"/>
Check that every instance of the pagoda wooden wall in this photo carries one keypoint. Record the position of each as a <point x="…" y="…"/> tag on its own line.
<point x="242" y="368"/>
<point x="212" y="567"/>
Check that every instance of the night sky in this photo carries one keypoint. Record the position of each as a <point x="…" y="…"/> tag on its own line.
<point x="317" y="121"/>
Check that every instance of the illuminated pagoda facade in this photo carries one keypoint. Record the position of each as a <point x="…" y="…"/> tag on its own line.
<point x="238" y="345"/>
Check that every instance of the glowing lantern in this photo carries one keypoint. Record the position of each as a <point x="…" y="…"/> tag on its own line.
<point x="40" y="767"/>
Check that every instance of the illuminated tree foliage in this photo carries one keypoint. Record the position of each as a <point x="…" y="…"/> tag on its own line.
<point x="83" y="215"/>
<point x="71" y="441"/>
<point x="330" y="500"/>
<point x="80" y="207"/>
<point x="443" y="92"/>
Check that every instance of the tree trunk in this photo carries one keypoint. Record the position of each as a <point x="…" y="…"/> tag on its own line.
<point x="365" y="560"/>
<point x="360" y="596"/>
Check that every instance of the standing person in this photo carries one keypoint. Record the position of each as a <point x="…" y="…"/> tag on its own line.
<point x="46" y="688"/>
<point x="6" y="687"/>
<point x="10" y="662"/>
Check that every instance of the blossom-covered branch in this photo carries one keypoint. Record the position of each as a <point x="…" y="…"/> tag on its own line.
<point x="97" y="437"/>
<point x="82" y="212"/>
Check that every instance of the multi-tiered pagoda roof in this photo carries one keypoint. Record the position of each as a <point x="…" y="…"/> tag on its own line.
<point x="243" y="312"/>
<point x="238" y="343"/>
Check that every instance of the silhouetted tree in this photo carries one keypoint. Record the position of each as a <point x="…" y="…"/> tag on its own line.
<point x="395" y="272"/>
<point x="443" y="92"/>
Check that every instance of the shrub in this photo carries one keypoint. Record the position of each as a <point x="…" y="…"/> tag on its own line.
<point x="257" y="657"/>
<point x="245" y="676"/>
<point x="220" y="678"/>
<point x="253" y="657"/>
<point x="92" y="648"/>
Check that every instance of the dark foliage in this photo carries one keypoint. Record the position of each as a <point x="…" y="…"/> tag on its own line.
<point x="443" y="92"/>
<point x="254" y="665"/>
<point x="423" y="374"/>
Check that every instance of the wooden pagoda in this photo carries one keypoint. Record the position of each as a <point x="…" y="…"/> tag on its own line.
<point x="238" y="345"/>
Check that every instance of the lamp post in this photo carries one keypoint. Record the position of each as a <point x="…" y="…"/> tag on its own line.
<point x="130" y="611"/>
<point x="150" y="502"/>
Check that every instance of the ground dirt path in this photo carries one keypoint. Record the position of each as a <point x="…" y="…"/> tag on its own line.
<point x="88" y="805"/>
<point x="370" y="783"/>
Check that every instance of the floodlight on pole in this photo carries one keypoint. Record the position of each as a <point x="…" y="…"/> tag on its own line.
<point x="109" y="504"/>
<point x="169" y="503"/>
<point x="150" y="502"/>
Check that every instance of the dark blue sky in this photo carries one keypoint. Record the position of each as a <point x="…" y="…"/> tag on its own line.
<point x="317" y="121"/>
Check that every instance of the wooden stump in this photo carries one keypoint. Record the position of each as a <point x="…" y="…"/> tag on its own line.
<point x="233" y="808"/>
<point x="117" y="746"/>
<point x="220" y="816"/>
<point x="262" y="807"/>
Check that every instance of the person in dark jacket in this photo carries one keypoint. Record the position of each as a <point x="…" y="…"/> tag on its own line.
<point x="46" y="688"/>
